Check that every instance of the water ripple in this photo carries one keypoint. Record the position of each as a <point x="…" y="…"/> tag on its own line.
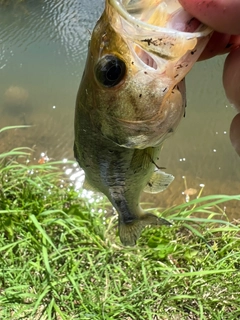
<point x="63" y="23"/>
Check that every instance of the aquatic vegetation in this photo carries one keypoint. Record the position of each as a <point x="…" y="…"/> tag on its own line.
<point x="16" y="100"/>
<point x="61" y="258"/>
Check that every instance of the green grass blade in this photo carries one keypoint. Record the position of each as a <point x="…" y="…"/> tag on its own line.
<point x="42" y="231"/>
<point x="14" y="127"/>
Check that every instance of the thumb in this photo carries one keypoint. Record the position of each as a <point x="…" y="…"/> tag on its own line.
<point x="235" y="133"/>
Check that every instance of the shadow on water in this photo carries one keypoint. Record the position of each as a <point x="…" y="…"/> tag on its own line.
<point x="43" y="48"/>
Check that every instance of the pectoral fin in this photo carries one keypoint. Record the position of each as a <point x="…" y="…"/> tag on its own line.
<point x="141" y="159"/>
<point x="158" y="182"/>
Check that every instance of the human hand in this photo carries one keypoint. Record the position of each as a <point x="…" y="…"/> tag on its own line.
<point x="223" y="17"/>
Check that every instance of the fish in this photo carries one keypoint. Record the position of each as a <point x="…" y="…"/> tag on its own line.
<point x="131" y="98"/>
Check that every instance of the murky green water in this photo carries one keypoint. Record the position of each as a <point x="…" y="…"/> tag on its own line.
<point x="43" y="47"/>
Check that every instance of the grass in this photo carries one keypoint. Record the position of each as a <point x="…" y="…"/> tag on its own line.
<point x="61" y="258"/>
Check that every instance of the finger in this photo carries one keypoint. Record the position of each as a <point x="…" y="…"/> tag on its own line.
<point x="218" y="44"/>
<point x="221" y="15"/>
<point x="235" y="133"/>
<point x="231" y="77"/>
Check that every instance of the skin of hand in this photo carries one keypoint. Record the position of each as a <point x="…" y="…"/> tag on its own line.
<point x="223" y="17"/>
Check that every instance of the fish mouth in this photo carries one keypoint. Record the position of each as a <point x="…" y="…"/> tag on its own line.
<point x="158" y="30"/>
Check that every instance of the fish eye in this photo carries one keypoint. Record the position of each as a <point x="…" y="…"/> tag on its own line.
<point x="110" y="70"/>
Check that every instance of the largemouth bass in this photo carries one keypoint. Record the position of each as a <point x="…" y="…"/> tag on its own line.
<point x="131" y="98"/>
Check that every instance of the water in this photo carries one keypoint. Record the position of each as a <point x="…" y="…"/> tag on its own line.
<point x="43" y="46"/>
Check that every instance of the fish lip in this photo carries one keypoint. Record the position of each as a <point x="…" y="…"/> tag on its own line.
<point x="158" y="49"/>
<point x="120" y="8"/>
